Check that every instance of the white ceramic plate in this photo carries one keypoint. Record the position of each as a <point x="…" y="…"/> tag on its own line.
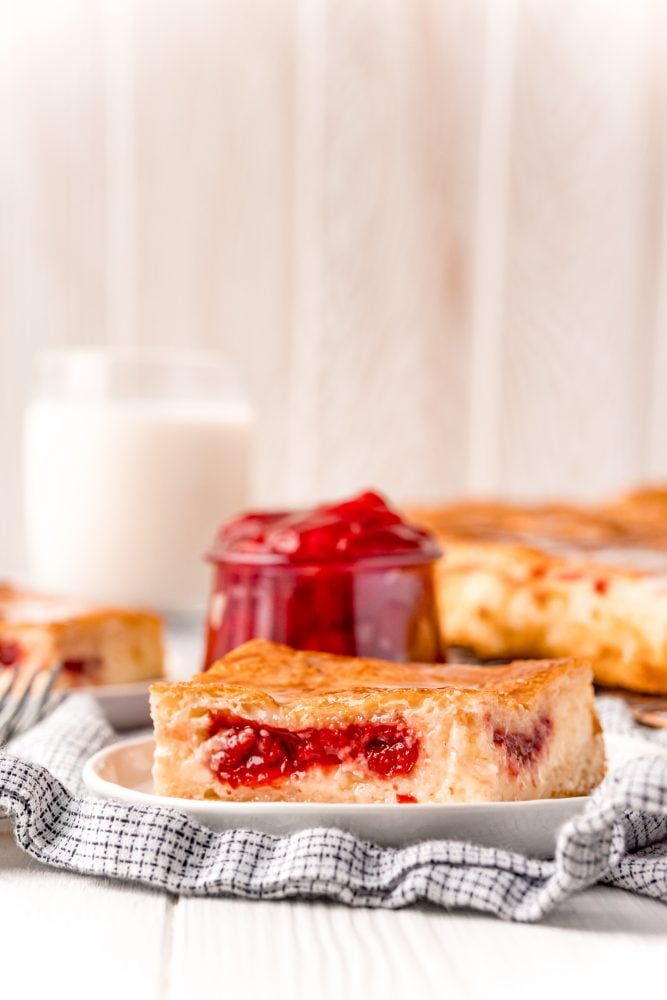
<point x="126" y="706"/>
<point x="123" y="772"/>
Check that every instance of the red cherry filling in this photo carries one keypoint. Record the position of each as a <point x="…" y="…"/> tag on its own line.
<point x="10" y="652"/>
<point x="522" y="749"/>
<point x="362" y="527"/>
<point x="245" y="752"/>
<point x="85" y="666"/>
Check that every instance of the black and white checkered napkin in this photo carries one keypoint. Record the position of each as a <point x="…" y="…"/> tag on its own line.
<point x="620" y="839"/>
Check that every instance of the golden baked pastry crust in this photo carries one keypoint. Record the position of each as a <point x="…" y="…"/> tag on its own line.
<point x="559" y="580"/>
<point x="290" y="675"/>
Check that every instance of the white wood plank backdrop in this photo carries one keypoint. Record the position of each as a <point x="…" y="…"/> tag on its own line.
<point x="431" y="234"/>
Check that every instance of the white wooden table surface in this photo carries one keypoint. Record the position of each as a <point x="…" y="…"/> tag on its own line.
<point x="64" y="935"/>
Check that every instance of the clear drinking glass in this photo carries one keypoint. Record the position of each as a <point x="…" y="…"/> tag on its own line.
<point x="131" y="459"/>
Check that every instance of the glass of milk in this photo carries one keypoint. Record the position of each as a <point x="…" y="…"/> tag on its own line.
<point x="132" y="459"/>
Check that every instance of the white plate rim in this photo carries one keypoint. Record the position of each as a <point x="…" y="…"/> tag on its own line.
<point x="128" y="689"/>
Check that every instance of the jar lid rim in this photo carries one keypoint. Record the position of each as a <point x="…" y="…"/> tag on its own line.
<point x="269" y="559"/>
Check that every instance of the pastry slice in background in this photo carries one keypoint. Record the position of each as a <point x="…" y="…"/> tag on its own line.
<point x="93" y="644"/>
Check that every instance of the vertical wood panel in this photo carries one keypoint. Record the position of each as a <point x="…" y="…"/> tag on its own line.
<point x="52" y="223"/>
<point x="580" y="250"/>
<point x="489" y="247"/>
<point x="214" y="146"/>
<point x="398" y="162"/>
<point x="119" y="78"/>
<point x="306" y="276"/>
<point x="655" y="408"/>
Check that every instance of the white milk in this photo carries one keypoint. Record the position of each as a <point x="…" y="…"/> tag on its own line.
<point x="123" y="498"/>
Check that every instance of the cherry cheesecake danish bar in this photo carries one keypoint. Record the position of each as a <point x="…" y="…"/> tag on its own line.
<point x="93" y="644"/>
<point x="558" y="580"/>
<point x="269" y="723"/>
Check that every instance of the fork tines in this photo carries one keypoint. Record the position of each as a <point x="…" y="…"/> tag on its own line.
<point x="25" y="698"/>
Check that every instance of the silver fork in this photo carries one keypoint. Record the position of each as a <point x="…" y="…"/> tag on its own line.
<point x="25" y="701"/>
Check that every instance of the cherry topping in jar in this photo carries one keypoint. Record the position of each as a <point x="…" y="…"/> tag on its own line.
<point x="351" y="578"/>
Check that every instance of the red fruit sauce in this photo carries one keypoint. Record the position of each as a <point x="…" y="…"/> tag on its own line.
<point x="84" y="666"/>
<point x="351" y="578"/>
<point x="10" y="652"/>
<point x="245" y="752"/>
<point x="521" y="748"/>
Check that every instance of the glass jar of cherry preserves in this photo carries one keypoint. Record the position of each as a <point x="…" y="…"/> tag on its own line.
<point x="351" y="578"/>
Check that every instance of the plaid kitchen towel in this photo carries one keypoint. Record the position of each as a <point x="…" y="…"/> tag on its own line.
<point x="619" y="839"/>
